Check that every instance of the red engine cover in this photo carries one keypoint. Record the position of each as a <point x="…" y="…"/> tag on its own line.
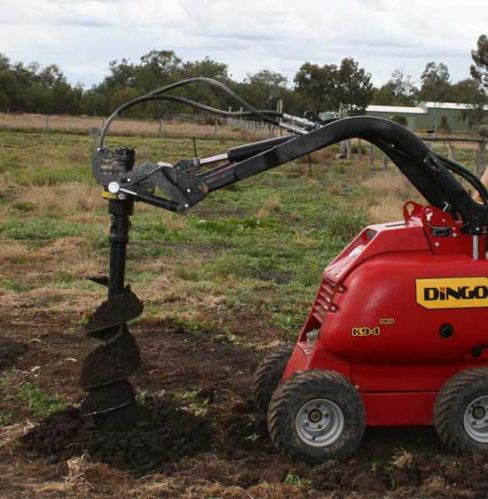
<point x="398" y="312"/>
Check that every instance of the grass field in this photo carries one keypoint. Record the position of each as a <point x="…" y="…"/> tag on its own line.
<point x="221" y="285"/>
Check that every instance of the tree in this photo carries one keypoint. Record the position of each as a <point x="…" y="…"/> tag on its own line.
<point x="399" y="90"/>
<point x="264" y="88"/>
<point x="469" y="92"/>
<point x="479" y="70"/>
<point x="204" y="93"/>
<point x="317" y="87"/>
<point x="325" y="88"/>
<point x="436" y="84"/>
<point x="354" y="87"/>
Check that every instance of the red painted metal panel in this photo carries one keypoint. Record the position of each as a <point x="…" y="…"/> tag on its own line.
<point x="377" y="330"/>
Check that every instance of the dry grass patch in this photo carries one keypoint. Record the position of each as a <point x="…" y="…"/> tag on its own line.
<point x="272" y="204"/>
<point x="386" y="209"/>
<point x="13" y="251"/>
<point x="174" y="222"/>
<point x="83" y="266"/>
<point x="5" y="183"/>
<point x="388" y="193"/>
<point x="74" y="246"/>
<point x="71" y="197"/>
<point x="385" y="183"/>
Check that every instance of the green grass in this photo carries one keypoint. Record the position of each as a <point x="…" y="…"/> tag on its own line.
<point x="297" y="481"/>
<point x="40" y="403"/>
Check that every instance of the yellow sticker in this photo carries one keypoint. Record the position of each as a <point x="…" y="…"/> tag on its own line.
<point x="452" y="292"/>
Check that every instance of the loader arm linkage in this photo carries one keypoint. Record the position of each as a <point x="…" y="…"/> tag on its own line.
<point x="178" y="187"/>
<point x="184" y="186"/>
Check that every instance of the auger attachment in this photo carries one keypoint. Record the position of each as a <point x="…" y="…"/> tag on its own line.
<point x="111" y="398"/>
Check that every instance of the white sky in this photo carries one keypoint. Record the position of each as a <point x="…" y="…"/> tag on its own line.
<point x="82" y="36"/>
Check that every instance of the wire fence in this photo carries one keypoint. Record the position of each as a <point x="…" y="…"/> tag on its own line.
<point x="209" y="126"/>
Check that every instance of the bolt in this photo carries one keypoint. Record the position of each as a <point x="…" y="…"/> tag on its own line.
<point x="188" y="190"/>
<point x="113" y="187"/>
<point x="129" y="180"/>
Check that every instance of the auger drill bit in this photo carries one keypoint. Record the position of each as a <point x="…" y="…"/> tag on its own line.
<point x="104" y="375"/>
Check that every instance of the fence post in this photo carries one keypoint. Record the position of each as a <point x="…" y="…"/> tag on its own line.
<point x="385" y="162"/>
<point x="348" y="149"/>
<point x="371" y="154"/>
<point x="215" y="129"/>
<point x="481" y="160"/>
<point x="161" y="128"/>
<point x="46" y="126"/>
<point x="451" y="154"/>
<point x="360" y="149"/>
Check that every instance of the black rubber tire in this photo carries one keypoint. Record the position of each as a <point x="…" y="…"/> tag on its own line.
<point x="268" y="375"/>
<point x="302" y="387"/>
<point x="450" y="405"/>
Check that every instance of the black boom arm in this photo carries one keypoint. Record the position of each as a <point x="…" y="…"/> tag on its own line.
<point x="189" y="181"/>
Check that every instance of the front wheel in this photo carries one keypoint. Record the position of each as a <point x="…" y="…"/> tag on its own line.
<point x="315" y="416"/>
<point x="461" y="411"/>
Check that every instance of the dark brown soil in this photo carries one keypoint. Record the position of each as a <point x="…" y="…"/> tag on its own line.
<point x="9" y="351"/>
<point x="199" y="434"/>
<point x="163" y="434"/>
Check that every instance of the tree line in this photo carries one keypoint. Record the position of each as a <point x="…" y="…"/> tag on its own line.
<point x="329" y="87"/>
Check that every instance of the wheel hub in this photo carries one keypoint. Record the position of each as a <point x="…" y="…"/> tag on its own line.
<point x="319" y="422"/>
<point x="476" y="419"/>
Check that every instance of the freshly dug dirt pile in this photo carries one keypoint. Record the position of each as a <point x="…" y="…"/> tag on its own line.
<point x="164" y="434"/>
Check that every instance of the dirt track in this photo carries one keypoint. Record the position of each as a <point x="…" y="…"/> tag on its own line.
<point x="200" y="436"/>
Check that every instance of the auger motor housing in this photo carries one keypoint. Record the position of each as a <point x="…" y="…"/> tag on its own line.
<point x="396" y="333"/>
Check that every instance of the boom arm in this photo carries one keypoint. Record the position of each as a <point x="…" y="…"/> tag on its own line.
<point x="187" y="182"/>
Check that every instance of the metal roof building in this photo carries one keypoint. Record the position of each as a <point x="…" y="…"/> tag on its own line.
<point x="430" y="116"/>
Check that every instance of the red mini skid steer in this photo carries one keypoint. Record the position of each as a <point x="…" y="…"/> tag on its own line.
<point x="396" y="335"/>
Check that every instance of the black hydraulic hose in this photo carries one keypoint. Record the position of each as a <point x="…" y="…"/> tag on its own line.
<point x="468" y="176"/>
<point x="263" y="115"/>
<point x="217" y="84"/>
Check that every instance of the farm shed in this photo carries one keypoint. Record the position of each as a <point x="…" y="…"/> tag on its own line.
<point x="428" y="115"/>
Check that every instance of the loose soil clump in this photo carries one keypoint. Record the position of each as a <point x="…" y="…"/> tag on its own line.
<point x="164" y="434"/>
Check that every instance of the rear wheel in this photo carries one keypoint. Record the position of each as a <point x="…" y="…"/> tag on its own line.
<point x="268" y="375"/>
<point x="315" y="416"/>
<point x="461" y="411"/>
